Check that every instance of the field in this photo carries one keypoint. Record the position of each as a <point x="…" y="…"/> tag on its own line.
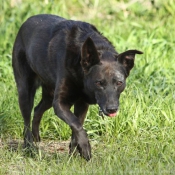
<point x="141" y="139"/>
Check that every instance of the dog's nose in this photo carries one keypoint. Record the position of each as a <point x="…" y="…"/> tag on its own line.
<point x="111" y="110"/>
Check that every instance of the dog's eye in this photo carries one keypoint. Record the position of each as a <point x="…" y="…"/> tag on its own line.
<point x="99" y="83"/>
<point x="119" y="83"/>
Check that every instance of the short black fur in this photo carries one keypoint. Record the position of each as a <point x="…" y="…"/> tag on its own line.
<point x="75" y="65"/>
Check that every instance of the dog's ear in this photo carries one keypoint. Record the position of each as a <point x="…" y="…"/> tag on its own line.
<point x="89" y="55"/>
<point x="127" y="59"/>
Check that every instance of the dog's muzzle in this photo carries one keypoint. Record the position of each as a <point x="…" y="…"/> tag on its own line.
<point x="110" y="113"/>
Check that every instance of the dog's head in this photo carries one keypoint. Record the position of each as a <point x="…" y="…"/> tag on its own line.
<point x="105" y="80"/>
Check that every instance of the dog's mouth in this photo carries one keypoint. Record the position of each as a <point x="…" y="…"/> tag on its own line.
<point x="109" y="113"/>
<point x="112" y="114"/>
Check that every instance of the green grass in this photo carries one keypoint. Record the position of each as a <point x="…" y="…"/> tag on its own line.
<point x="141" y="139"/>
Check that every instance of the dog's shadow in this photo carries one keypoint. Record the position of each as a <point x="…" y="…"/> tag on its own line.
<point x="14" y="145"/>
<point x="45" y="147"/>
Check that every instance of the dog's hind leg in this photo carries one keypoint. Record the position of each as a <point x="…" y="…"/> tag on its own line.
<point x="26" y="91"/>
<point x="44" y="104"/>
<point x="26" y="98"/>
<point x="26" y="86"/>
<point x="80" y="110"/>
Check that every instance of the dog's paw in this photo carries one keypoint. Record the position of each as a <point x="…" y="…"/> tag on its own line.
<point x="35" y="133"/>
<point x="36" y="136"/>
<point x="84" y="146"/>
<point x="73" y="148"/>
<point x="80" y="143"/>
<point x="28" y="139"/>
<point x="85" y="150"/>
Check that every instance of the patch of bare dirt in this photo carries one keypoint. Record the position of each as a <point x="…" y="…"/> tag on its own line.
<point x="47" y="146"/>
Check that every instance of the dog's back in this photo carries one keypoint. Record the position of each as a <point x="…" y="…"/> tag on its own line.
<point x="53" y="37"/>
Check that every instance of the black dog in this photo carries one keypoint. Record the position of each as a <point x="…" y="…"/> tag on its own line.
<point x="75" y="65"/>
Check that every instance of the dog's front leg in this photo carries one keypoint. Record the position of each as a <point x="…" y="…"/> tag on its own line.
<point x="62" y="110"/>
<point x="80" y="110"/>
